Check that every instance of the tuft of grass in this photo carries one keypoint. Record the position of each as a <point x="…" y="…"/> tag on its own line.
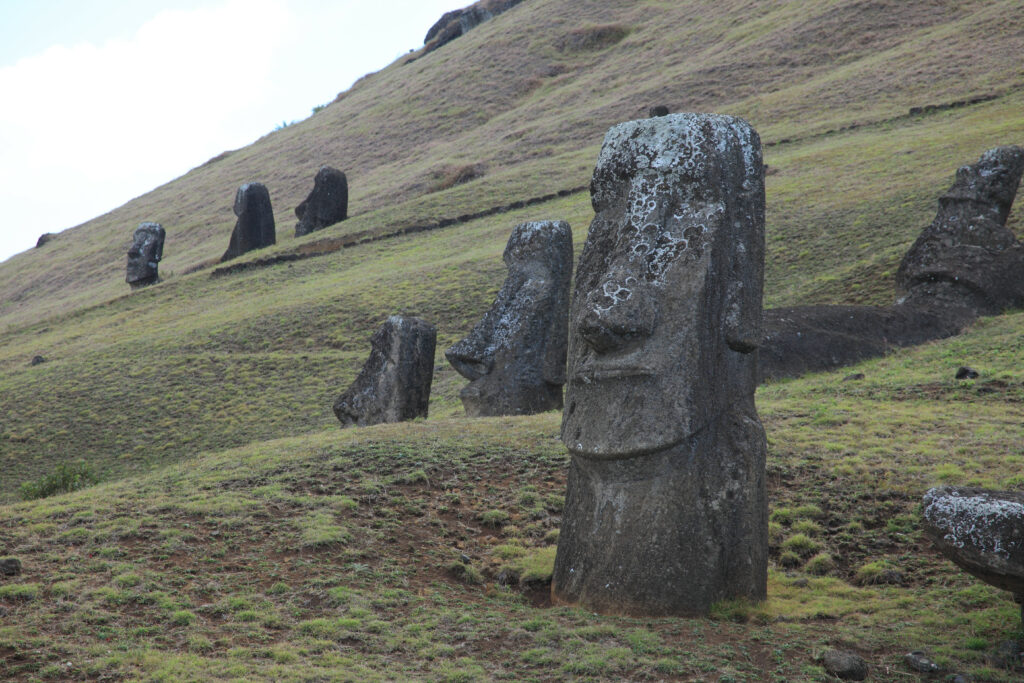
<point x="65" y="478"/>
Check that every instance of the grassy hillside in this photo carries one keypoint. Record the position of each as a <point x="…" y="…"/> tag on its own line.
<point x="240" y="534"/>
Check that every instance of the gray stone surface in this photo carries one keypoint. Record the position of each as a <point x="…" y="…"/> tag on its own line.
<point x="144" y="255"/>
<point x="967" y="257"/>
<point x="666" y="509"/>
<point x="982" y="531"/>
<point x="10" y="566"/>
<point x="326" y="205"/>
<point x="848" y="666"/>
<point x="515" y="355"/>
<point x="394" y="384"/>
<point x="254" y="228"/>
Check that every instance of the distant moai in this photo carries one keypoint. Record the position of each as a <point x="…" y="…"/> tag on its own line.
<point x="326" y="204"/>
<point x="968" y="257"/>
<point x="254" y="228"/>
<point x="666" y="509"/>
<point x="394" y="384"/>
<point x="144" y="255"/>
<point x="515" y="355"/>
<point x="657" y="110"/>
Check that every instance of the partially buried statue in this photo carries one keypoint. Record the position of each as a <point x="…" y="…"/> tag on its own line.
<point x="515" y="356"/>
<point x="255" y="227"/>
<point x="144" y="255"/>
<point x="326" y="205"/>
<point x="666" y="510"/>
<point x="394" y="384"/>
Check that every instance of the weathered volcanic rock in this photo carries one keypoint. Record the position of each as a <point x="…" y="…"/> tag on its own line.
<point x="44" y="238"/>
<point x="144" y="255"/>
<point x="515" y="355"/>
<point x="326" y="205"/>
<point x="254" y="228"/>
<point x="666" y="510"/>
<point x="10" y="566"/>
<point x="982" y="531"/>
<point x="394" y="384"/>
<point x="845" y="665"/>
<point x="458" y="22"/>
<point x="658" y="110"/>
<point x="967" y="256"/>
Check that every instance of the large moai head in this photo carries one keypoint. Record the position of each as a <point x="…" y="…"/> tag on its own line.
<point x="326" y="205"/>
<point x="667" y="302"/>
<point x="515" y="355"/>
<point x="144" y="255"/>
<point x="967" y="257"/>
<point x="394" y="384"/>
<point x="255" y="227"/>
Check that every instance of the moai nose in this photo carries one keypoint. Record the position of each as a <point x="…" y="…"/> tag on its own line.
<point x="618" y="313"/>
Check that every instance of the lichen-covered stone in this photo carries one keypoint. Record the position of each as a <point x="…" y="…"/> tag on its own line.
<point x="394" y="384"/>
<point x="967" y="257"/>
<point x="666" y="510"/>
<point x="144" y="255"/>
<point x="982" y="531"/>
<point x="326" y="205"/>
<point x="254" y="228"/>
<point x="515" y="355"/>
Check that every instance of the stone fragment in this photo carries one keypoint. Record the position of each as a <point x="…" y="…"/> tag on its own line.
<point x="920" y="661"/>
<point x="657" y="110"/>
<point x="666" y="509"/>
<point x="982" y="531"/>
<point x="848" y="666"/>
<point x="144" y="255"/>
<point x="254" y="228"/>
<point x="967" y="256"/>
<point x="515" y="355"/>
<point x="44" y="238"/>
<point x="394" y="384"/>
<point x="326" y="205"/>
<point x="964" y="372"/>
<point x="37" y="360"/>
<point x="10" y="566"/>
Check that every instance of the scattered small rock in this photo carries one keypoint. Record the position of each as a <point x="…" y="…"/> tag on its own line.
<point x="920" y="662"/>
<point x="959" y="678"/>
<point x="508" y="577"/>
<point x="36" y="360"/>
<point x="964" y="372"/>
<point x="854" y="377"/>
<point x="10" y="566"/>
<point x="657" y="110"/>
<point x="845" y="665"/>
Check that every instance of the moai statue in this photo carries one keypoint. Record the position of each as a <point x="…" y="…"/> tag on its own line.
<point x="144" y="255"/>
<point x="515" y="356"/>
<point x="394" y="384"/>
<point x="255" y="226"/>
<point x="666" y="510"/>
<point x="968" y="257"/>
<point x="326" y="205"/>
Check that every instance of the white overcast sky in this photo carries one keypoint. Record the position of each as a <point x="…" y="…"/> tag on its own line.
<point x="103" y="100"/>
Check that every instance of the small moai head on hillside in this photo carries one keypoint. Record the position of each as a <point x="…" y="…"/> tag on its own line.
<point x="144" y="255"/>
<point x="515" y="355"/>
<point x="669" y="282"/>
<point x="255" y="227"/>
<point x="326" y="205"/>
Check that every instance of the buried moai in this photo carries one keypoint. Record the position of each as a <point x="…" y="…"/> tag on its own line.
<point x="394" y="384"/>
<point x="254" y="228"/>
<point x="326" y="204"/>
<point x="666" y="509"/>
<point x="515" y="355"/>
<point x="981" y="531"/>
<point x="144" y="255"/>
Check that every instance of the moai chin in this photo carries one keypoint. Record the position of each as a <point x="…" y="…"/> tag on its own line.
<point x="515" y="355"/>
<point x="666" y="510"/>
<point x="394" y="384"/>
<point x="144" y="255"/>
<point x="255" y="227"/>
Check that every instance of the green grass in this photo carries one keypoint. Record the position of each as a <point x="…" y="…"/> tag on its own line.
<point x="236" y="533"/>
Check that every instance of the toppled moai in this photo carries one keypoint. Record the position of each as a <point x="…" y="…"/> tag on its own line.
<point x="144" y="255"/>
<point x="394" y="384"/>
<point x="981" y="531"/>
<point x="254" y="228"/>
<point x="967" y="257"/>
<point x="515" y="355"/>
<point x="666" y="509"/>
<point x="326" y="205"/>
